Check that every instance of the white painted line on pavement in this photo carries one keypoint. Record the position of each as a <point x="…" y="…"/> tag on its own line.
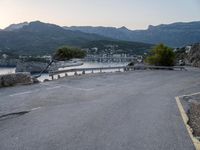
<point x="21" y="93"/>
<point x="75" y="88"/>
<point x="35" y="108"/>
<point x="55" y="87"/>
<point x="190" y="94"/>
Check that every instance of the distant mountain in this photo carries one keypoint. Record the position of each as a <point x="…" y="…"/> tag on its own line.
<point x="42" y="38"/>
<point x="13" y="27"/>
<point x="116" y="33"/>
<point x="37" y="38"/>
<point x="174" y="35"/>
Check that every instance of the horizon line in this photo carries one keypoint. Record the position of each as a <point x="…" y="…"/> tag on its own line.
<point x="117" y="27"/>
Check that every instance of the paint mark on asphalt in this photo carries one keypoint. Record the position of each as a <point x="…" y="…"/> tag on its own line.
<point x="75" y="88"/>
<point x="190" y="94"/>
<point x="21" y="93"/>
<point x="50" y="88"/>
<point x="35" y="108"/>
<point x="55" y="87"/>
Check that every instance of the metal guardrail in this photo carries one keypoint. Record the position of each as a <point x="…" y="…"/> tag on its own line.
<point x="117" y="68"/>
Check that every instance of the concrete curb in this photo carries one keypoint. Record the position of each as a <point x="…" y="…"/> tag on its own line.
<point x="185" y="118"/>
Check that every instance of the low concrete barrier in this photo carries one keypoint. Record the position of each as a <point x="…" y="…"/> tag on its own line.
<point x="14" y="79"/>
<point x="117" y="68"/>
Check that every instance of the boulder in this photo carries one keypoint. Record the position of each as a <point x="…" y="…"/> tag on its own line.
<point x="35" y="80"/>
<point x="46" y="80"/>
<point x="14" y="79"/>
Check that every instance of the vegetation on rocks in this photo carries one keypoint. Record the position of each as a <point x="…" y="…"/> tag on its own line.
<point x="161" y="55"/>
<point x="67" y="53"/>
<point x="190" y="55"/>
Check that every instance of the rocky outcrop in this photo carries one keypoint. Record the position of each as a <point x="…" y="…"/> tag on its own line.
<point x="194" y="55"/>
<point x="14" y="79"/>
<point x="190" y="55"/>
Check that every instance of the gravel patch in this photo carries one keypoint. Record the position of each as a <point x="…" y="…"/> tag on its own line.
<point x="191" y="105"/>
<point x="194" y="119"/>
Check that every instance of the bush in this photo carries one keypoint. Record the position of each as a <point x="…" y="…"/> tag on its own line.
<point x="67" y="53"/>
<point x="161" y="55"/>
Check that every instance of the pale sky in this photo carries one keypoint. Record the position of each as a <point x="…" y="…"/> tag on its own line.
<point x="134" y="14"/>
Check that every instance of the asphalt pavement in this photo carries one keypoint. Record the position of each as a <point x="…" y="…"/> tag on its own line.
<point x="113" y="111"/>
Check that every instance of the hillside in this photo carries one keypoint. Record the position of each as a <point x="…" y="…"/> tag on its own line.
<point x="42" y="38"/>
<point x="118" y="47"/>
<point x="174" y="35"/>
<point x="37" y="38"/>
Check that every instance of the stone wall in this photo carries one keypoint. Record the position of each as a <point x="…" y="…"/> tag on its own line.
<point x="14" y="79"/>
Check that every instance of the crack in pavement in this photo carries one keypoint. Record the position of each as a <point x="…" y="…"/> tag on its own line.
<point x="5" y="116"/>
<point x="15" y="114"/>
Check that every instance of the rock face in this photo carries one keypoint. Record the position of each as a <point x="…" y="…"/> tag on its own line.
<point x="14" y="79"/>
<point x="194" y="55"/>
<point x="190" y="55"/>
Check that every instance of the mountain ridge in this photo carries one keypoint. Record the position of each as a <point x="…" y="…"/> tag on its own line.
<point x="17" y="26"/>
<point x="175" y="34"/>
<point x="43" y="38"/>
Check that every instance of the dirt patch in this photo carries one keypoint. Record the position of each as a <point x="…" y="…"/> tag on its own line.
<point x="194" y="118"/>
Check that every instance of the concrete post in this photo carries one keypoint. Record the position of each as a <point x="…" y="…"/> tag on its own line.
<point x="52" y="77"/>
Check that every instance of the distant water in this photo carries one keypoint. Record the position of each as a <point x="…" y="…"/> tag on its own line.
<point x="85" y="65"/>
<point x="5" y="70"/>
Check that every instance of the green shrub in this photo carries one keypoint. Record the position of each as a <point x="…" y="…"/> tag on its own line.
<point x="67" y="53"/>
<point x="161" y="55"/>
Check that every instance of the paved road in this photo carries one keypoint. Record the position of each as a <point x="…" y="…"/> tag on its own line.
<point x="121" y="111"/>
